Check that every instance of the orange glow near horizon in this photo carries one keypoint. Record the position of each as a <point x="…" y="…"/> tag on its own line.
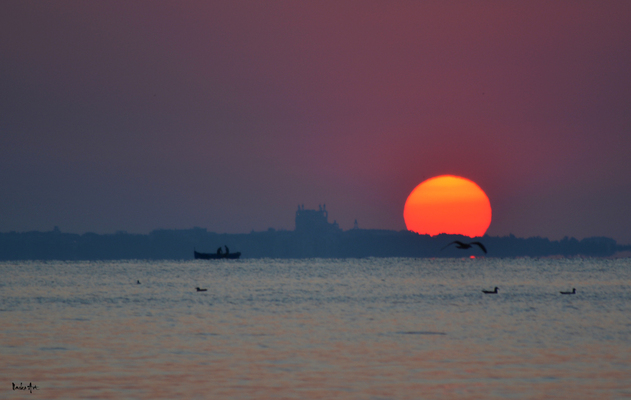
<point x="448" y="204"/>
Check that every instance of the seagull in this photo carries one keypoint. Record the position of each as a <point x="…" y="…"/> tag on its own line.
<point x="494" y="291"/>
<point x="572" y="292"/>
<point x="465" y="246"/>
<point x="201" y="290"/>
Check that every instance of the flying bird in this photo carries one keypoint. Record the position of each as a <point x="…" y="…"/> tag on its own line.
<point x="461" y="245"/>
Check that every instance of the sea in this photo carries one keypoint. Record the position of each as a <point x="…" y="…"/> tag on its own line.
<point x="373" y="328"/>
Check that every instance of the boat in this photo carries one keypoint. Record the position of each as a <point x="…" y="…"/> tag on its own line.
<point x="216" y="256"/>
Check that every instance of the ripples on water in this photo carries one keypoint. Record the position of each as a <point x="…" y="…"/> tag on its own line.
<point x="312" y="329"/>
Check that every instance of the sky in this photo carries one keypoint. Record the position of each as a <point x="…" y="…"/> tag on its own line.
<point x="143" y="115"/>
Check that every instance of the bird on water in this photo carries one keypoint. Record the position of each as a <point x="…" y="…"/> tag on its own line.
<point x="572" y="292"/>
<point x="494" y="291"/>
<point x="201" y="290"/>
<point x="461" y="245"/>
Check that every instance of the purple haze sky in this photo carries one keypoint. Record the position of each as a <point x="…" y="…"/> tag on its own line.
<point x="132" y="115"/>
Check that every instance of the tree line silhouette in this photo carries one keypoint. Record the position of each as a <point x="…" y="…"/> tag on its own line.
<point x="354" y="243"/>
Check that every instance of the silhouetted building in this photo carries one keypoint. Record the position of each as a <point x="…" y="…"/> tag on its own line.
<point x="315" y="221"/>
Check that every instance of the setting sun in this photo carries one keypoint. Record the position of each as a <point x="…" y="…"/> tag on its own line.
<point x="448" y="204"/>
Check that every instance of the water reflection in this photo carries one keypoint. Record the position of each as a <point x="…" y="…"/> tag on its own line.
<point x="393" y="328"/>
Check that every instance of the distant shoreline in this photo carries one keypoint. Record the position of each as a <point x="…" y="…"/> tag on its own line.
<point x="354" y="243"/>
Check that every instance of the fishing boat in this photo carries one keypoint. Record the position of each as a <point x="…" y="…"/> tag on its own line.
<point x="216" y="256"/>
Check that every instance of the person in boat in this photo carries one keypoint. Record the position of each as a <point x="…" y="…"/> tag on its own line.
<point x="219" y="250"/>
<point x="227" y="250"/>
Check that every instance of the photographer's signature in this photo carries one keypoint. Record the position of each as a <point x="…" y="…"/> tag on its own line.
<point x="30" y="387"/>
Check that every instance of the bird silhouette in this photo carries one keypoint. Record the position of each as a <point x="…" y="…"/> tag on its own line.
<point x="201" y="290"/>
<point x="461" y="245"/>
<point x="494" y="291"/>
<point x="572" y="292"/>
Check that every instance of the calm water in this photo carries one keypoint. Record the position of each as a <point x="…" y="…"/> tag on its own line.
<point x="317" y="329"/>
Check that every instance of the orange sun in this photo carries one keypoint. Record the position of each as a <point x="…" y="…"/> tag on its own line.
<point x="448" y="204"/>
